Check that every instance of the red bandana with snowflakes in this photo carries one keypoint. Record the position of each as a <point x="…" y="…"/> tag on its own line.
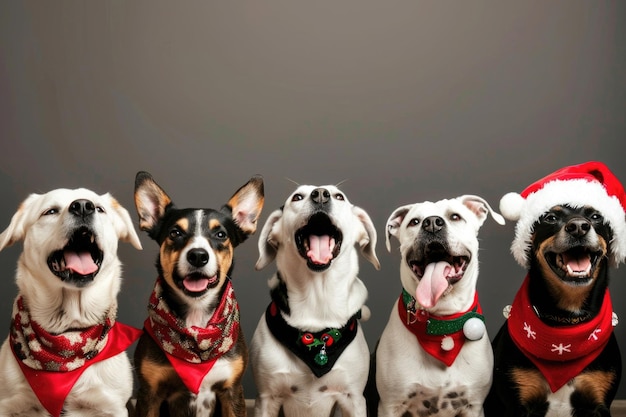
<point x="193" y="351"/>
<point x="53" y="363"/>
<point x="560" y="353"/>
<point x="418" y="323"/>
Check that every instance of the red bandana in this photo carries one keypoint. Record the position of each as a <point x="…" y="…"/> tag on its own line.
<point x="444" y="347"/>
<point x="193" y="351"/>
<point x="560" y="353"/>
<point x="53" y="363"/>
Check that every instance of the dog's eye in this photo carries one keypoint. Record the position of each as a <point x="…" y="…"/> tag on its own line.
<point x="51" y="212"/>
<point x="414" y="222"/>
<point x="175" y="233"/>
<point x="550" y="218"/>
<point x="297" y="197"/>
<point x="596" y="217"/>
<point x="455" y="217"/>
<point x="220" y="234"/>
<point x="339" y="196"/>
<point x="100" y="209"/>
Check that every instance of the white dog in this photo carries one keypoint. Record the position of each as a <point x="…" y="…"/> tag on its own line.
<point x="65" y="353"/>
<point x="434" y="356"/>
<point x="308" y="352"/>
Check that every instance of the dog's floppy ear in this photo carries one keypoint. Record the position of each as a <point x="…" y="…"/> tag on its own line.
<point x="151" y="202"/>
<point x="367" y="242"/>
<point x="267" y="242"/>
<point x="480" y="208"/>
<point x="246" y="205"/>
<point x="124" y="224"/>
<point x="393" y="224"/>
<point x="17" y="228"/>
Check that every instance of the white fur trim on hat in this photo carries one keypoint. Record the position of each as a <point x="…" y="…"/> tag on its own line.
<point x="575" y="193"/>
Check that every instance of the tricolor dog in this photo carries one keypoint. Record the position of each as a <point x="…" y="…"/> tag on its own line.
<point x="434" y="357"/>
<point x="308" y="352"/>
<point x="65" y="353"/>
<point x="556" y="355"/>
<point x="193" y="355"/>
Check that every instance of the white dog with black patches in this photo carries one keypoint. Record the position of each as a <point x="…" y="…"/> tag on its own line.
<point x="308" y="352"/>
<point x="434" y="357"/>
<point x="65" y="353"/>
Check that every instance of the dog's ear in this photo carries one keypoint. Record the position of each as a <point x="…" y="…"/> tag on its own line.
<point x="480" y="208"/>
<point x="150" y="200"/>
<point x="367" y="241"/>
<point x="17" y="228"/>
<point x="393" y="224"/>
<point x="124" y="224"/>
<point x="246" y="205"/>
<point x="267" y="242"/>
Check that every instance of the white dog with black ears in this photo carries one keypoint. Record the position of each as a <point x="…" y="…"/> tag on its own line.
<point x="434" y="357"/>
<point x="65" y="353"/>
<point x="308" y="352"/>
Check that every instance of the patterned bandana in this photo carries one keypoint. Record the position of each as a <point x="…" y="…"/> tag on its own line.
<point x="193" y="351"/>
<point x="318" y="350"/>
<point x="441" y="336"/>
<point x="53" y="363"/>
<point x="563" y="352"/>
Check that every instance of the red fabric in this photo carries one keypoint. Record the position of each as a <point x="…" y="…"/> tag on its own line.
<point x="590" y="171"/>
<point x="193" y="351"/>
<point x="52" y="388"/>
<point x="417" y="322"/>
<point x="560" y="353"/>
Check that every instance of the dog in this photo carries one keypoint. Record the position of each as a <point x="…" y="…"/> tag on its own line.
<point x="556" y="355"/>
<point x="65" y="353"/>
<point x="308" y="351"/>
<point x="434" y="357"/>
<point x="193" y="355"/>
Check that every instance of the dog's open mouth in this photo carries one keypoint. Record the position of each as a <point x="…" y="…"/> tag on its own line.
<point x="319" y="241"/>
<point x="437" y="271"/>
<point x="197" y="284"/>
<point x="575" y="265"/>
<point x="79" y="261"/>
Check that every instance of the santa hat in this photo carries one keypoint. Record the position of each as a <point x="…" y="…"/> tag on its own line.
<point x="586" y="184"/>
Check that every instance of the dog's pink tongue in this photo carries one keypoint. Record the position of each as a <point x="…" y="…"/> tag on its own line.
<point x="433" y="283"/>
<point x="577" y="264"/>
<point x="320" y="249"/>
<point x="80" y="263"/>
<point x="196" y="285"/>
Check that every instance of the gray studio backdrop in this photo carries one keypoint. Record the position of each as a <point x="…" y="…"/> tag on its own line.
<point x="404" y="101"/>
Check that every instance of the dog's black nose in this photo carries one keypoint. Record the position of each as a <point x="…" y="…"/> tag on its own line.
<point x="82" y="208"/>
<point x="198" y="257"/>
<point x="578" y="227"/>
<point x="433" y="224"/>
<point x="320" y="195"/>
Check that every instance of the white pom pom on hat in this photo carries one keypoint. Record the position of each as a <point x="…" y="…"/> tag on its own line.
<point x="587" y="184"/>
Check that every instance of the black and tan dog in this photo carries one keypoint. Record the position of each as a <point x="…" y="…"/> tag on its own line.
<point x="557" y="355"/>
<point x="192" y="357"/>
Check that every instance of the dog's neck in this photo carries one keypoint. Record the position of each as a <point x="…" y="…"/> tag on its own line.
<point x="318" y="304"/>
<point x="545" y="300"/>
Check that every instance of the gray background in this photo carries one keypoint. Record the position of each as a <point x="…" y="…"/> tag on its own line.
<point x="405" y="100"/>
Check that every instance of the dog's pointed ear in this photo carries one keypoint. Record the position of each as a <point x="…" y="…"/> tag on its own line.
<point x="367" y="242"/>
<point x="268" y="244"/>
<point x="480" y="208"/>
<point x="17" y="228"/>
<point x="124" y="224"/>
<point x="246" y="205"/>
<point x="150" y="200"/>
<point x="393" y="224"/>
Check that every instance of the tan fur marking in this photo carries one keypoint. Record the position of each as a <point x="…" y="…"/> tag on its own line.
<point x="183" y="224"/>
<point x="595" y="384"/>
<point x="155" y="373"/>
<point x="214" y="223"/>
<point x="531" y="385"/>
<point x="238" y="367"/>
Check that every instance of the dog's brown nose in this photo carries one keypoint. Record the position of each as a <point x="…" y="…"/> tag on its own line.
<point x="433" y="224"/>
<point x="320" y="195"/>
<point x="578" y="227"/>
<point x="82" y="208"/>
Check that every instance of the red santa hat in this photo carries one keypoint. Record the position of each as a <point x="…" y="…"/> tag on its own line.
<point x="587" y="184"/>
